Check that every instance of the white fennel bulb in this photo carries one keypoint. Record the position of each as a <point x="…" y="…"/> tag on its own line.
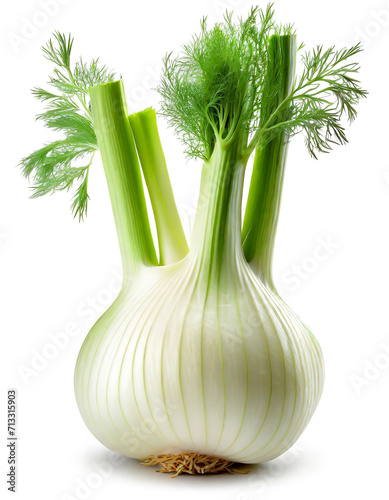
<point x="198" y="363"/>
<point x="201" y="356"/>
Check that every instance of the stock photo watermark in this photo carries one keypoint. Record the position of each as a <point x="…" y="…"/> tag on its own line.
<point x="89" y="310"/>
<point x="221" y="6"/>
<point x="31" y="25"/>
<point x="371" y="370"/>
<point x="85" y="487"/>
<point x="298" y="273"/>
<point x="12" y="439"/>
<point x="140" y="93"/>
<point x="386" y="176"/>
<point x="148" y="426"/>
<point x="378" y="21"/>
<point x="260" y="481"/>
<point x="3" y="238"/>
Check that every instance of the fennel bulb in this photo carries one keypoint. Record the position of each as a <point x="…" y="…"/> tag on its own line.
<point x="201" y="355"/>
<point x="198" y="357"/>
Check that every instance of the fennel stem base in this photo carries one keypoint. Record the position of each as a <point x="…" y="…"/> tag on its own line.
<point x="191" y="463"/>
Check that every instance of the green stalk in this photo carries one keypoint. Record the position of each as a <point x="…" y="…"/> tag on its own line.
<point x="121" y="166"/>
<point x="216" y="237"/>
<point x="171" y="238"/>
<point x="263" y="203"/>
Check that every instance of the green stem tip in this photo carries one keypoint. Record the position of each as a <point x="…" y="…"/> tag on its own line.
<point x="171" y="238"/>
<point x="121" y="166"/>
<point x="263" y="203"/>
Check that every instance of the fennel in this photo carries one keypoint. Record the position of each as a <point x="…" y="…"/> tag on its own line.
<point x="198" y="357"/>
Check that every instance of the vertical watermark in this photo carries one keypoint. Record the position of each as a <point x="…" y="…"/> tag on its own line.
<point x="12" y="439"/>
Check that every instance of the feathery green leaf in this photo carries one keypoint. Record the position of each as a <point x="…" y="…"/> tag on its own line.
<point x="325" y="93"/>
<point x="213" y="90"/>
<point x="220" y="88"/>
<point x="56" y="166"/>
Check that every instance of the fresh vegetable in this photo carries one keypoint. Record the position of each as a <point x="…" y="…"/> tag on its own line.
<point x="198" y="357"/>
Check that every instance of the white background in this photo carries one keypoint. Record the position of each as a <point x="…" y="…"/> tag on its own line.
<point x="52" y="267"/>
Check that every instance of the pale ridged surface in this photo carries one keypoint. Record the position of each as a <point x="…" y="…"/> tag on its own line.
<point x="179" y="364"/>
